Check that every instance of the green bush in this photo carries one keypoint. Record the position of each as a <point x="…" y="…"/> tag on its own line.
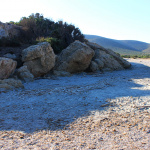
<point x="125" y="56"/>
<point x="36" y="28"/>
<point x="136" y="56"/>
<point x="59" y="34"/>
<point x="55" y="43"/>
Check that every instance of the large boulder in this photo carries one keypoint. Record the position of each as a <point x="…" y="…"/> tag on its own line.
<point x="7" y="67"/>
<point x="39" y="58"/>
<point x="75" y="58"/>
<point x="107" y="59"/>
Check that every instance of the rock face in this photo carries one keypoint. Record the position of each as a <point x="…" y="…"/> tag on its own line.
<point x="7" y="67"/>
<point x="9" y="30"/>
<point x="39" y="58"/>
<point x="106" y="59"/>
<point x="9" y="84"/>
<point x="24" y="74"/>
<point x="75" y="58"/>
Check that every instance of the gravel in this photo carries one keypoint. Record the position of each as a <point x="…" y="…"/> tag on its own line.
<point x="48" y="107"/>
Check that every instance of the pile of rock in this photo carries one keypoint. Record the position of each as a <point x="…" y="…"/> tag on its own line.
<point x="39" y="60"/>
<point x="106" y="59"/>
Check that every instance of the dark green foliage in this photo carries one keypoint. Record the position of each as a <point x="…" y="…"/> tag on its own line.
<point x="59" y="34"/>
<point x="136" y="56"/>
<point x="36" y="25"/>
<point x="9" y="42"/>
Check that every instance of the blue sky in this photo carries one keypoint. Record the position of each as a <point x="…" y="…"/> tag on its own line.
<point x="116" y="19"/>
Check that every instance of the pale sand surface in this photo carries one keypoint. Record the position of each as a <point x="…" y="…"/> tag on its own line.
<point x="84" y="111"/>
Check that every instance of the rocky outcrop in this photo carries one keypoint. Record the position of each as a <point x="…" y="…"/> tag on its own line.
<point x="7" y="67"/>
<point x="39" y="58"/>
<point x="106" y="59"/>
<point x="9" y="84"/>
<point x="8" y="30"/>
<point x="24" y="74"/>
<point x="75" y="58"/>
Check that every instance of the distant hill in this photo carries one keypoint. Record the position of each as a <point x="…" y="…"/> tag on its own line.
<point x="124" y="47"/>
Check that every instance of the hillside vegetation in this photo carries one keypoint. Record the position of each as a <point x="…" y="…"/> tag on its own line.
<point x="36" y="28"/>
<point x="124" y="47"/>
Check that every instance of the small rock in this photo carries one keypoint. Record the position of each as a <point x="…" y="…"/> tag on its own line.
<point x="24" y="74"/>
<point x="93" y="66"/>
<point x="7" y="67"/>
<point x="9" y="84"/>
<point x="148" y="131"/>
<point x="100" y="139"/>
<point x="11" y="56"/>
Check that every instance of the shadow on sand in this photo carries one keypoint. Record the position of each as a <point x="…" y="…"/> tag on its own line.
<point x="60" y="103"/>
